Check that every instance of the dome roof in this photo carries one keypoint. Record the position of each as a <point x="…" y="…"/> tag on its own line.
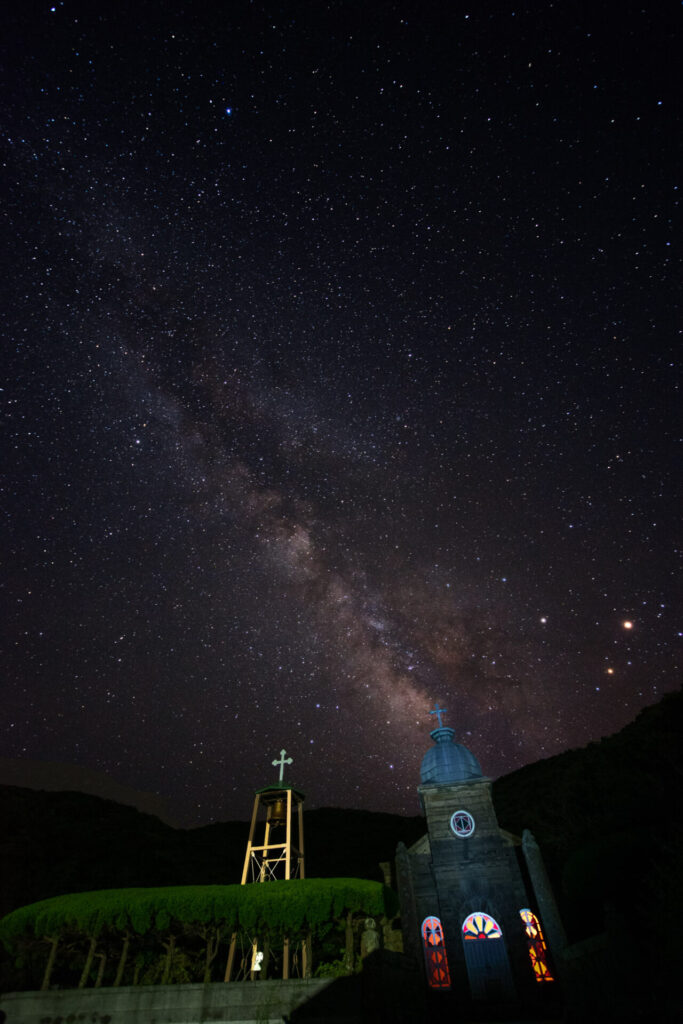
<point x="447" y="761"/>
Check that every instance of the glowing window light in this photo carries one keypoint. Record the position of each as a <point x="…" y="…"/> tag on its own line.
<point x="537" y="947"/>
<point x="480" y="926"/>
<point x="436" y="960"/>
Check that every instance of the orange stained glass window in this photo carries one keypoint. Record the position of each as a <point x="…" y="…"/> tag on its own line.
<point x="538" y="951"/>
<point x="435" y="953"/>
<point x="480" y="926"/>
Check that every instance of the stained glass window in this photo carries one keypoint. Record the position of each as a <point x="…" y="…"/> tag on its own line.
<point x="480" y="926"/>
<point x="435" y="953"/>
<point x="462" y="823"/>
<point x="538" y="952"/>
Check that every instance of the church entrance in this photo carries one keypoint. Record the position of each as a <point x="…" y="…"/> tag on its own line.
<point x="486" y="959"/>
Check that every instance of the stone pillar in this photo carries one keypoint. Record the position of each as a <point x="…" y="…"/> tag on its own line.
<point x="550" y="917"/>
<point x="385" y="868"/>
<point x="412" y="945"/>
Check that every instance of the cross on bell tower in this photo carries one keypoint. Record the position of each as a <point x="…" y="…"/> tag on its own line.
<point x="282" y="762"/>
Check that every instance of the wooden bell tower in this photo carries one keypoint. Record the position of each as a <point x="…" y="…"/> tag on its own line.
<point x="280" y="855"/>
<point x="275" y="851"/>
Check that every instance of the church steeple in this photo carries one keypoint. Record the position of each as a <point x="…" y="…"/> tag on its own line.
<point x="446" y="761"/>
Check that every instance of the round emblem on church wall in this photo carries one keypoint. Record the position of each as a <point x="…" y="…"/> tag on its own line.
<point x="462" y="824"/>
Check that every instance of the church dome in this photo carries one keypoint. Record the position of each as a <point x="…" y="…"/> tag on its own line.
<point x="447" y="761"/>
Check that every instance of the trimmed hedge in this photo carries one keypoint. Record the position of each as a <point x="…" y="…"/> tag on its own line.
<point x="291" y="908"/>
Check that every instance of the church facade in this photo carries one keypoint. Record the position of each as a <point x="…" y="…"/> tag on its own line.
<point x="477" y="911"/>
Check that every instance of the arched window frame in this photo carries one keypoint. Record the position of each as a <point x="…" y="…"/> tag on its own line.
<point x="486" y="959"/>
<point x="436" y="959"/>
<point x="538" y="951"/>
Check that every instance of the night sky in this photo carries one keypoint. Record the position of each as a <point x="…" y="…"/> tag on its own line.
<point x="339" y="379"/>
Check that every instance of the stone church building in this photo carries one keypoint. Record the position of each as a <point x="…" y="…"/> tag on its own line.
<point x="477" y="910"/>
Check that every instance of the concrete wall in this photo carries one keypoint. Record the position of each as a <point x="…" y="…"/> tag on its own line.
<point x="389" y="987"/>
<point x="265" y="1002"/>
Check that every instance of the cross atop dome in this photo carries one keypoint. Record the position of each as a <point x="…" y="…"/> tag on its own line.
<point x="438" y="712"/>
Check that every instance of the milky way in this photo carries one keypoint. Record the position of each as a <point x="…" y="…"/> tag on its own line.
<point x="340" y="380"/>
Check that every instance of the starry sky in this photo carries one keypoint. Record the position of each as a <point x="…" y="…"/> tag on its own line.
<point x="339" y="379"/>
